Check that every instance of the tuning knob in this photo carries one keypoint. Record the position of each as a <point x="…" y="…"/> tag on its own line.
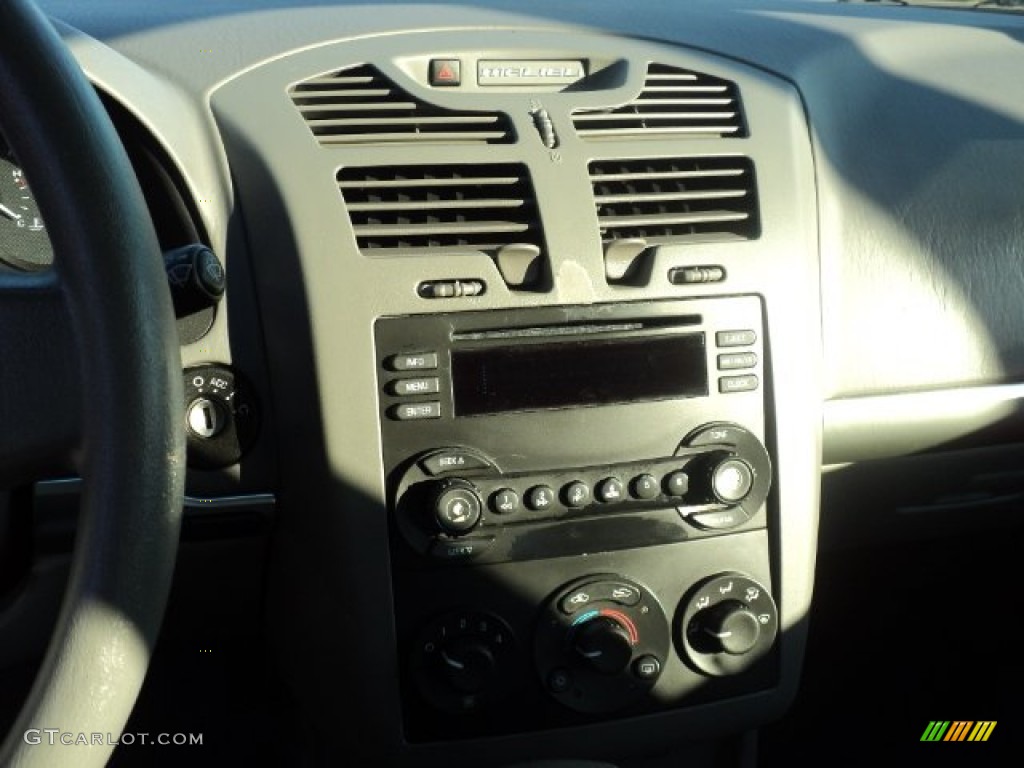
<point x="456" y="507"/>
<point x="604" y="644"/>
<point x="731" y="480"/>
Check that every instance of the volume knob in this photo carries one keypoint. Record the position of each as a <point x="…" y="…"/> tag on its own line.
<point x="456" y="507"/>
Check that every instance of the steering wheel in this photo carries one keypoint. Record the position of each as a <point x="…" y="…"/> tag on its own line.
<point x="90" y="376"/>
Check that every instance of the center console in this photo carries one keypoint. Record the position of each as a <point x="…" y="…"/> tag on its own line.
<point x="548" y="364"/>
<point x="624" y="446"/>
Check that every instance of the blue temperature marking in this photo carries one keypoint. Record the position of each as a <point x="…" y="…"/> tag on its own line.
<point x="584" y="617"/>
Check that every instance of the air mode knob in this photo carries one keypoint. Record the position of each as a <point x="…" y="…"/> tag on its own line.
<point x="456" y="506"/>
<point x="729" y="625"/>
<point x="726" y="624"/>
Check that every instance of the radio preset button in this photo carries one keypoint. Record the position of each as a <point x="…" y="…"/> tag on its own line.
<point x="645" y="487"/>
<point x="677" y="483"/>
<point x="735" y="338"/>
<point x="609" y="490"/>
<point x="729" y="384"/>
<point x="420" y="361"/>
<point x="505" y="501"/>
<point x="416" y="411"/>
<point x="424" y="385"/>
<point x="540" y="498"/>
<point x="576" y="494"/>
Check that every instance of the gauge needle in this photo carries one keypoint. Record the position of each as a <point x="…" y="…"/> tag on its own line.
<point x="8" y="212"/>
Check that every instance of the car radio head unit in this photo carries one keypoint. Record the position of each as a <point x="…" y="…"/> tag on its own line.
<point x="535" y="420"/>
<point x="623" y="444"/>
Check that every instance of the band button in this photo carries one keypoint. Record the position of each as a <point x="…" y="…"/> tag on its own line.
<point x="450" y="461"/>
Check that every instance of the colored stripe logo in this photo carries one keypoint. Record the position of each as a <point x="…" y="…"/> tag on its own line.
<point x="958" y="730"/>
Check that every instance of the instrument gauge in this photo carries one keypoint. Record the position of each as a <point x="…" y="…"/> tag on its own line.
<point x="24" y="243"/>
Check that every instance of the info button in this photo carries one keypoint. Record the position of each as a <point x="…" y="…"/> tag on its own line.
<point x="422" y="361"/>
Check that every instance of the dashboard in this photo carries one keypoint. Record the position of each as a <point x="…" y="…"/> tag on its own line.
<point x="555" y="348"/>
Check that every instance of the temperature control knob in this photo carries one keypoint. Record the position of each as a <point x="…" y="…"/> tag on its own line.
<point x="456" y="507"/>
<point x="601" y="643"/>
<point x="604" y="644"/>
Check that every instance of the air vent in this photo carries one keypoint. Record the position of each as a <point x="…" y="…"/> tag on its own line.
<point x="673" y="102"/>
<point x="423" y="210"/>
<point x="361" y="106"/>
<point x="670" y="201"/>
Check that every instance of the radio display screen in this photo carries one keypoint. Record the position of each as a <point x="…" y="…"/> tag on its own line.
<point x="578" y="373"/>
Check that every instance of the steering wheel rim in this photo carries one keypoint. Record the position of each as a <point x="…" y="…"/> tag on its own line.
<point x="131" y="454"/>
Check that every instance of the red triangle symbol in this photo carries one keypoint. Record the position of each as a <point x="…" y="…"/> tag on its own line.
<point x="445" y="72"/>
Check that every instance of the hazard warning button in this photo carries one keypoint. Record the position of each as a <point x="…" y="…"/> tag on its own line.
<point x="445" y="72"/>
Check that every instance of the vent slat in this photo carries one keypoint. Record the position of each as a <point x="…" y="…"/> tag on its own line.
<point x="664" y="219"/>
<point x="438" y="229"/>
<point x="665" y="175"/>
<point x="661" y="197"/>
<point x="671" y="102"/>
<point x="662" y="201"/>
<point x="684" y="89"/>
<point x="436" y="137"/>
<point x="369" y="108"/>
<point x="342" y="95"/>
<point x="334" y="81"/>
<point x="396" y="122"/>
<point x="436" y="210"/>
<point x="687" y="102"/>
<point x="641" y="131"/>
<point x="608" y="116"/>
<point x="402" y="183"/>
<point x="359" y="106"/>
<point x="652" y="75"/>
<point x="438" y="205"/>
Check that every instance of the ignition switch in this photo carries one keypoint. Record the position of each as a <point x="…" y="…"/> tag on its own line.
<point x="221" y="416"/>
